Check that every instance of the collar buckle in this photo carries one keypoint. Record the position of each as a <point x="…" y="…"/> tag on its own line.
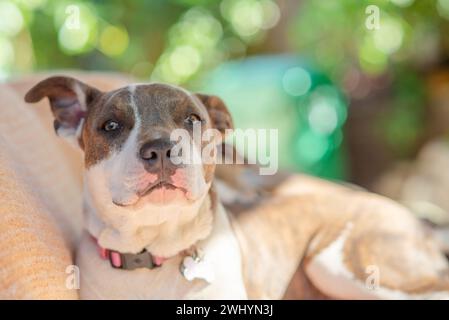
<point x="130" y="261"/>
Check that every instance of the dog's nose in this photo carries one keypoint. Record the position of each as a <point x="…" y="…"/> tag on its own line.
<point x="157" y="153"/>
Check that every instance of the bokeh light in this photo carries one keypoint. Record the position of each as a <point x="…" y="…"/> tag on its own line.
<point x="11" y="19"/>
<point x="249" y="17"/>
<point x="113" y="41"/>
<point x="198" y="28"/>
<point x="192" y="44"/>
<point x="388" y="38"/>
<point x="246" y="16"/>
<point x="296" y="81"/>
<point x="6" y="56"/>
<point x="271" y="14"/>
<point x="323" y="118"/>
<point x="443" y="8"/>
<point x="311" y="148"/>
<point x="77" y="29"/>
<point x="371" y="59"/>
<point x="185" y="61"/>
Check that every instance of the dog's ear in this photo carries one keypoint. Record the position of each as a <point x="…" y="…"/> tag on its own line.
<point x="218" y="112"/>
<point x="69" y="101"/>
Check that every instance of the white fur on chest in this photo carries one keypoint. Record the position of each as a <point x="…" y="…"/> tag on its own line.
<point x="100" y="281"/>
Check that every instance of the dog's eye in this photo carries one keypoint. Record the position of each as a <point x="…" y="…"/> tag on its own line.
<point x="193" y="118"/>
<point x="111" y="125"/>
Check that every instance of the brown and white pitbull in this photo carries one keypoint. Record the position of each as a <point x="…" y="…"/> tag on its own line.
<point x="293" y="237"/>
<point x="140" y="209"/>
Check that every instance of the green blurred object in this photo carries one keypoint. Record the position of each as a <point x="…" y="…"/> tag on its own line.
<point x="285" y="93"/>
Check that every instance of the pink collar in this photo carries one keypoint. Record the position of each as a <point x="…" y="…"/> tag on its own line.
<point x="129" y="261"/>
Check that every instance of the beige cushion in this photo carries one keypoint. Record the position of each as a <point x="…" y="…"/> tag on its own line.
<point x="40" y="194"/>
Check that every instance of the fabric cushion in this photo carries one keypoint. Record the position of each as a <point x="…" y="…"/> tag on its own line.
<point x="40" y="194"/>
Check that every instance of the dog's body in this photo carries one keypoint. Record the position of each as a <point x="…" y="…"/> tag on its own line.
<point x="335" y="243"/>
<point x="347" y="244"/>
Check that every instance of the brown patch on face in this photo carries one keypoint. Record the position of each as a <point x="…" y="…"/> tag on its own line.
<point x="98" y="144"/>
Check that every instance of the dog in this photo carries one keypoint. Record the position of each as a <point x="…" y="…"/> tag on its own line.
<point x="154" y="230"/>
<point x="159" y="230"/>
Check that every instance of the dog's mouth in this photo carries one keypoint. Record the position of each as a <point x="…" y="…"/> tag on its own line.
<point x="159" y="185"/>
<point x="160" y="191"/>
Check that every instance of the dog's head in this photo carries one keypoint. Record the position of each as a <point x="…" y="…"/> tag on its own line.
<point x="126" y="138"/>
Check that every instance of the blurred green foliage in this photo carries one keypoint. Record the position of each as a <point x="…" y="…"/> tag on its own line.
<point x="180" y="41"/>
<point x="409" y="32"/>
<point x="411" y="40"/>
<point x="169" y="40"/>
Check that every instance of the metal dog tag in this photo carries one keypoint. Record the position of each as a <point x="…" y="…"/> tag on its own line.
<point x="196" y="267"/>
